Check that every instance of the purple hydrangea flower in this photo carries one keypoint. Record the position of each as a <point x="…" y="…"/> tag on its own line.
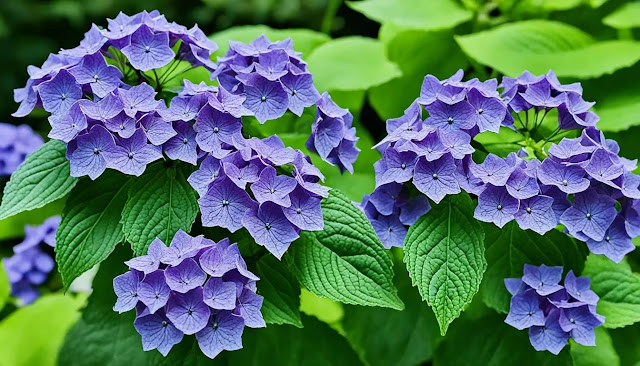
<point x="496" y="205"/>
<point x="16" y="142"/>
<point x="269" y="226"/>
<point x="94" y="71"/>
<point x="147" y="50"/>
<point x="190" y="296"/>
<point x="59" y="93"/>
<point x="93" y="150"/>
<point x="553" y="313"/>
<point x="591" y="214"/>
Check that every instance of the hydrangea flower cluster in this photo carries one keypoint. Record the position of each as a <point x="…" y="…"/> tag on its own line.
<point x="272" y="78"/>
<point x="579" y="183"/>
<point x="16" y="142"/>
<point x="194" y="286"/>
<point x="246" y="188"/>
<point x="553" y="313"/>
<point x="99" y="93"/>
<point x="31" y="263"/>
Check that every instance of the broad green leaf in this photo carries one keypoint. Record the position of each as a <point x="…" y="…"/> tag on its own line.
<point x="104" y="337"/>
<point x="326" y="310"/>
<point x="444" y="254"/>
<point x="625" y="17"/>
<point x="407" y="50"/>
<point x="284" y="345"/>
<point x="13" y="227"/>
<point x="388" y="337"/>
<point x="304" y="40"/>
<point x="90" y="226"/>
<point x="415" y="14"/>
<point x="491" y="342"/>
<point x="160" y="203"/>
<point x="540" y="45"/>
<point x="510" y="248"/>
<point x="280" y="290"/>
<point x="617" y="99"/>
<point x="5" y="287"/>
<point x="602" y="354"/>
<point x="32" y="335"/>
<point x="351" y="63"/>
<point x="618" y="288"/>
<point x="41" y="179"/>
<point x="346" y="261"/>
<point x="626" y="340"/>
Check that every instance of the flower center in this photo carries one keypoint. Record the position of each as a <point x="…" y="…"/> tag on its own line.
<point x="96" y="151"/>
<point x="435" y="176"/>
<point x="299" y="211"/>
<point x="147" y="49"/>
<point x="588" y="216"/>
<point x="450" y="120"/>
<point x="63" y="96"/>
<point x="185" y="141"/>
<point x="480" y="111"/>
<point x="572" y="320"/>
<point x="608" y="239"/>
<point x="95" y="78"/>
<point x="403" y="166"/>
<point x="499" y="207"/>
<point x="264" y="98"/>
<point x="164" y="323"/>
<point x="528" y="209"/>
<point x="565" y="183"/>
<point x="267" y="225"/>
<point x="130" y="155"/>
<point x="225" y="202"/>
<point x="216" y="129"/>
<point x="293" y="92"/>
<point x="272" y="191"/>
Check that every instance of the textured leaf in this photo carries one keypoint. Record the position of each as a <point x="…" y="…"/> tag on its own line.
<point x="489" y="341"/>
<point x="280" y="290"/>
<point x="104" y="337"/>
<point x="618" y="288"/>
<point x="346" y="261"/>
<point x="415" y="14"/>
<point x="90" y="226"/>
<point x="406" y="49"/>
<point x="618" y="99"/>
<point x="32" y="335"/>
<point x="625" y="17"/>
<point x="444" y="254"/>
<point x="159" y="204"/>
<point x="351" y="63"/>
<point x="510" y="248"/>
<point x="41" y="179"/>
<point x="388" y="337"/>
<point x="304" y="40"/>
<point x="602" y="354"/>
<point x="284" y="345"/>
<point x="540" y="45"/>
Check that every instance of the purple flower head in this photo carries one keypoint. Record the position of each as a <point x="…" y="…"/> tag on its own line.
<point x="123" y="125"/>
<point x="59" y="93"/>
<point x="522" y="186"/>
<point x="151" y="261"/>
<point x="187" y="311"/>
<point x="536" y="213"/>
<point x="139" y="98"/>
<point x="602" y="168"/>
<point x="390" y="230"/>
<point x="183" y="146"/>
<point x="591" y="214"/>
<point x="92" y="151"/>
<point x="126" y="287"/>
<point x="16" y="142"/>
<point x="153" y="291"/>
<point x="569" y="179"/>
<point x="436" y="178"/>
<point x="224" y="205"/>
<point x="451" y="117"/>
<point x="184" y="108"/>
<point x="222" y="332"/>
<point x="132" y="155"/>
<point x="101" y="77"/>
<point x="494" y="170"/>
<point x="265" y="98"/>
<point x="273" y="188"/>
<point x="185" y="276"/>
<point x="615" y="244"/>
<point x="496" y="205"/>
<point x="249" y="304"/>
<point x="182" y="246"/>
<point x="490" y="111"/>
<point x="107" y="108"/>
<point x="270" y="228"/>
<point x="158" y="130"/>
<point x="560" y="312"/>
<point x="208" y="171"/>
<point x="302" y="92"/>
<point x="384" y="197"/>
<point x="215" y="128"/>
<point x="434" y="90"/>
<point x="304" y="212"/>
<point x="220" y="295"/>
<point x="148" y="50"/>
<point x="158" y="332"/>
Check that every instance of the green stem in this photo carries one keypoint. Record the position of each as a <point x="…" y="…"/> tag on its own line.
<point x="329" y="15"/>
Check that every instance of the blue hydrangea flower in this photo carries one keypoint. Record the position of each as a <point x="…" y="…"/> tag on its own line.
<point x="551" y="312"/>
<point x="16" y="142"/>
<point x="192" y="287"/>
<point x="32" y="261"/>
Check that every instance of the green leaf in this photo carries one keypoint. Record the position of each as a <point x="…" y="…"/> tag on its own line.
<point x="280" y="290"/>
<point x="104" y="337"/>
<point x="314" y="345"/>
<point x="618" y="99"/>
<point x="324" y="309"/>
<point x="41" y="179"/>
<point x="510" y="248"/>
<point x="388" y="337"/>
<point x="414" y="14"/>
<point x="13" y="227"/>
<point x="32" y="335"/>
<point x="304" y="40"/>
<point x="406" y="49"/>
<point x="5" y="287"/>
<point x="618" y="288"/>
<point x="626" y="340"/>
<point x="351" y="63"/>
<point x="602" y="354"/>
<point x="444" y="254"/>
<point x="159" y="204"/>
<point x="90" y="226"/>
<point x="625" y="17"/>
<point x="489" y="341"/>
<point x="540" y="45"/>
<point x="345" y="262"/>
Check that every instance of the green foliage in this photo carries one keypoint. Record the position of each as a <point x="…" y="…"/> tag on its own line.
<point x="626" y="340"/>
<point x="444" y="254"/>
<point x="5" y="287"/>
<point x="346" y="261"/>
<point x="304" y="40"/>
<point x="414" y="14"/>
<point x="618" y="100"/>
<point x="32" y="335"/>
<point x="540" y="45"/>
<point x="388" y="337"/>
<point x="41" y="179"/>
<point x="602" y="354"/>
<point x="280" y="290"/>
<point x="90" y="226"/>
<point x="159" y="204"/>
<point x="510" y="248"/>
<point x="335" y="65"/>
<point x="625" y="17"/>
<point x="13" y="227"/>
<point x="618" y="288"/>
<point x="489" y="341"/>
